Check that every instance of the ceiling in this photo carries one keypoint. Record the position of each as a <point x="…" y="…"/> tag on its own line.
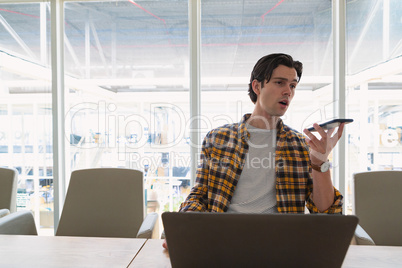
<point x="128" y="46"/>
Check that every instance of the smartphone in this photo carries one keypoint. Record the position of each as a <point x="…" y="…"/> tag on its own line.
<point x="332" y="124"/>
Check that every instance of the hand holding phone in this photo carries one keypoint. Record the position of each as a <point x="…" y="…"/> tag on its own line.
<point x="331" y="124"/>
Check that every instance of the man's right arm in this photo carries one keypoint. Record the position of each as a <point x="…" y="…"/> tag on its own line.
<point x="197" y="200"/>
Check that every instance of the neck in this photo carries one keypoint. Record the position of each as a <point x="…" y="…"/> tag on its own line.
<point x="263" y="121"/>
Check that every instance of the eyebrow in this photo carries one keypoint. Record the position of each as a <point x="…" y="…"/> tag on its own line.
<point x="285" y="79"/>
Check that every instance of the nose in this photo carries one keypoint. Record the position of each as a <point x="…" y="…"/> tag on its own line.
<point x="287" y="91"/>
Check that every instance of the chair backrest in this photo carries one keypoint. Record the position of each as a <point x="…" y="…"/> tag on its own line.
<point x="18" y="223"/>
<point x="4" y="212"/>
<point x="8" y="188"/>
<point x="103" y="202"/>
<point x="377" y="203"/>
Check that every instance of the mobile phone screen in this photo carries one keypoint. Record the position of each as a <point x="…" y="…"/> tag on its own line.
<point x="332" y="124"/>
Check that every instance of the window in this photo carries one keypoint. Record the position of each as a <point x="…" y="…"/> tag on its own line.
<point x="128" y="101"/>
<point x="127" y="72"/>
<point x="235" y="35"/>
<point x="25" y="105"/>
<point x="374" y="87"/>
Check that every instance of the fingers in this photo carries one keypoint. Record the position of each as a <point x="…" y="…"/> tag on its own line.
<point x="323" y="145"/>
<point x="313" y="141"/>
<point x="310" y="135"/>
<point x="324" y="134"/>
<point x="320" y="130"/>
<point x="164" y="244"/>
<point x="340" y="130"/>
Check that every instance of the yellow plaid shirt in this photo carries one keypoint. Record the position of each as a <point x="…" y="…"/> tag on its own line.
<point x="222" y="159"/>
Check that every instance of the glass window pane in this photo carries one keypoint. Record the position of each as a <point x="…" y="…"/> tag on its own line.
<point x="236" y="34"/>
<point x="374" y="89"/>
<point x="25" y="104"/>
<point x="126" y="65"/>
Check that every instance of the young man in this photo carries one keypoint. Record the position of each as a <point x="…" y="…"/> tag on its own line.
<point x="260" y="165"/>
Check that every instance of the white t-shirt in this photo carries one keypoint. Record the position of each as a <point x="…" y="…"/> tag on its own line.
<point x="255" y="191"/>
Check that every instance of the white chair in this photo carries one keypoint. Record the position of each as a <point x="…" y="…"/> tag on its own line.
<point x="18" y="223"/>
<point x="377" y="203"/>
<point x="106" y="202"/>
<point x="4" y="212"/>
<point x="8" y="189"/>
<point x="361" y="237"/>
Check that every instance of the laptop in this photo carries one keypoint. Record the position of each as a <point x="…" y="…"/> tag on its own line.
<point x="208" y="240"/>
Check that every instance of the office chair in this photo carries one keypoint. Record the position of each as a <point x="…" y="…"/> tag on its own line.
<point x="361" y="237"/>
<point x="18" y="223"/>
<point x="377" y="203"/>
<point x="8" y="189"/>
<point x="106" y="202"/>
<point x="4" y="212"/>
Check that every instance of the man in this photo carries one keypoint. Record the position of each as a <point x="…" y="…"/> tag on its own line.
<point x="260" y="165"/>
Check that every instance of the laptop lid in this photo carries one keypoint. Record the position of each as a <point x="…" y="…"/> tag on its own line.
<point x="257" y="240"/>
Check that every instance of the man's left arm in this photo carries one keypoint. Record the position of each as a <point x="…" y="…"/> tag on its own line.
<point x="325" y="198"/>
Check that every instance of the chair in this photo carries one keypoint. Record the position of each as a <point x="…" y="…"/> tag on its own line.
<point x="8" y="189"/>
<point x="18" y="223"/>
<point x="106" y="202"/>
<point x="4" y="212"/>
<point x="377" y="203"/>
<point x="361" y="237"/>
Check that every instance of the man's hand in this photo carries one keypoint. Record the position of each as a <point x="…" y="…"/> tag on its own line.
<point x="321" y="148"/>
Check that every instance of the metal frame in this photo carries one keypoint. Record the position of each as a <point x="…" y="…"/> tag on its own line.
<point x="339" y="91"/>
<point x="194" y="16"/>
<point x="58" y="109"/>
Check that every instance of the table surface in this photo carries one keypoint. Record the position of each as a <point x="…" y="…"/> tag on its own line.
<point x="153" y="255"/>
<point x="373" y="257"/>
<point x="63" y="251"/>
<point x="58" y="251"/>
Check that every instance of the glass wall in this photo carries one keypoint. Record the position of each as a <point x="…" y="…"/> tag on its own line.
<point x="128" y="102"/>
<point x="127" y="83"/>
<point x="25" y="105"/>
<point x="374" y="87"/>
<point x="233" y="39"/>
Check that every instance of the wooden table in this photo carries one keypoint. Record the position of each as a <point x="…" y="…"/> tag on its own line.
<point x="62" y="251"/>
<point x="58" y="251"/>
<point x="373" y="257"/>
<point x="153" y="255"/>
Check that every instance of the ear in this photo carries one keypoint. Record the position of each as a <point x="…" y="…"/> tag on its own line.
<point x="256" y="86"/>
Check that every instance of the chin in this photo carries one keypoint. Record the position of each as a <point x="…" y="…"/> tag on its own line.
<point x="282" y="113"/>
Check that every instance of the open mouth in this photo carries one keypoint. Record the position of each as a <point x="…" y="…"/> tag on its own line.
<point x="284" y="102"/>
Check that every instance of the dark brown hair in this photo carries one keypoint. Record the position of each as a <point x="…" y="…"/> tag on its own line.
<point x="266" y="65"/>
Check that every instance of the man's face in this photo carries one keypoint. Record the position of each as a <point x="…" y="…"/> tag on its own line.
<point x="275" y="96"/>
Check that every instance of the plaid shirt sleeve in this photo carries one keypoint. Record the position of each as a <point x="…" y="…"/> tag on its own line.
<point x="335" y="208"/>
<point x="294" y="175"/>
<point x="222" y="155"/>
<point x="197" y="199"/>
